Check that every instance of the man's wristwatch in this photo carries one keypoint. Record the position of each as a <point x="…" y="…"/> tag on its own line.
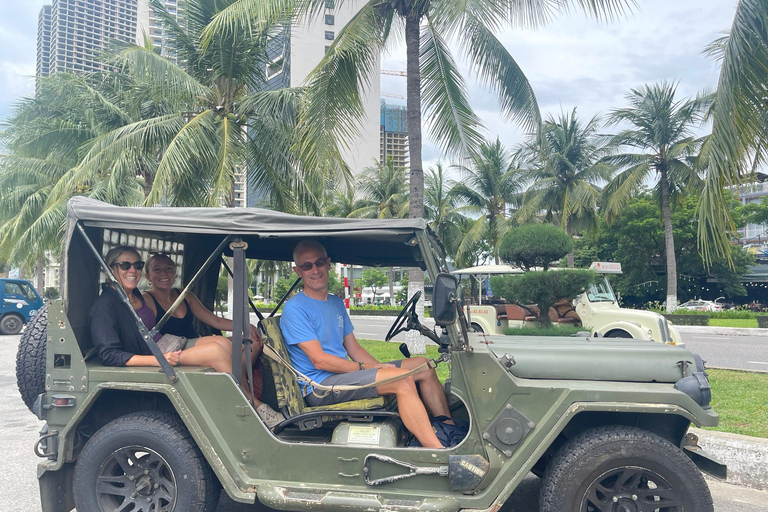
<point x="360" y="363"/>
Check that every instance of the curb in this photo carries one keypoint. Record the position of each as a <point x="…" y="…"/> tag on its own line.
<point x="745" y="456"/>
<point x="721" y="331"/>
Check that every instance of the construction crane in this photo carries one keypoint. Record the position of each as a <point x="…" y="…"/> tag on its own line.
<point x="388" y="95"/>
<point x="394" y="73"/>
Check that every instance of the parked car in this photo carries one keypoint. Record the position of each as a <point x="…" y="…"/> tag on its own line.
<point x="603" y="421"/>
<point x="701" y="305"/>
<point x="596" y="309"/>
<point x="19" y="301"/>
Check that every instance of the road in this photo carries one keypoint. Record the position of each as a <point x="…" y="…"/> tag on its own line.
<point x="745" y="352"/>
<point x="19" y="431"/>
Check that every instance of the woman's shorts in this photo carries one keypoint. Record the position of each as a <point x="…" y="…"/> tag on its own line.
<point x="172" y="343"/>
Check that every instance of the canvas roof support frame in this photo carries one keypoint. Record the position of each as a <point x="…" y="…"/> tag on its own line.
<point x="147" y="334"/>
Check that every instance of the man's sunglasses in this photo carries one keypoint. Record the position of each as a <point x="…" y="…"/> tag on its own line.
<point x="319" y="262"/>
<point x="125" y="265"/>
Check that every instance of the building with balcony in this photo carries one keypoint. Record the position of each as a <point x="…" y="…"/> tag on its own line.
<point x="72" y="33"/>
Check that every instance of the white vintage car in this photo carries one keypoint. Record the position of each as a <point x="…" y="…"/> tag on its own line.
<point x="596" y="309"/>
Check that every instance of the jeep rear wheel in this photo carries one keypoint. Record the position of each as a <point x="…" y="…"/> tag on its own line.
<point x="623" y="469"/>
<point x="11" y="324"/>
<point x="142" y="462"/>
<point x="30" y="357"/>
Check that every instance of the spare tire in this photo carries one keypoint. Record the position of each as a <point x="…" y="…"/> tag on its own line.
<point x="30" y="359"/>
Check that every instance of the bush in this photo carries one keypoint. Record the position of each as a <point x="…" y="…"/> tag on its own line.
<point x="697" y="318"/>
<point x="51" y="293"/>
<point x="743" y="314"/>
<point x="535" y="245"/>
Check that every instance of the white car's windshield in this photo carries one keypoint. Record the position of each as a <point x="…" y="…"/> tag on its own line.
<point x="600" y="292"/>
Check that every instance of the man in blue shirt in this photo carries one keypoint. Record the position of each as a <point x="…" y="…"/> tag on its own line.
<point x="321" y="342"/>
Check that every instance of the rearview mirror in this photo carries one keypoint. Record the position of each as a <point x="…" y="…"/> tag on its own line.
<point x="443" y="295"/>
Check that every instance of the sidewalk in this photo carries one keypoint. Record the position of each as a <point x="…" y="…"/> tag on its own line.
<point x="745" y="456"/>
<point x="721" y="331"/>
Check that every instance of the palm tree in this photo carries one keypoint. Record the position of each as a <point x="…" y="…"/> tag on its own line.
<point x="486" y="190"/>
<point x="384" y="192"/>
<point x="441" y="209"/>
<point x="333" y="105"/>
<point x="565" y="168"/>
<point x="214" y="122"/>
<point x="384" y="196"/>
<point x="739" y="120"/>
<point x="42" y="139"/>
<point x="665" y="147"/>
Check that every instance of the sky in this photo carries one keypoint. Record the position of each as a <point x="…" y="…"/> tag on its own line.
<point x="573" y="61"/>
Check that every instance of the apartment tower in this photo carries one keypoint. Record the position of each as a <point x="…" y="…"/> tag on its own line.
<point x="72" y="33"/>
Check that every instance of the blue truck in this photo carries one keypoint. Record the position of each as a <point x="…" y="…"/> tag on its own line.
<point x="18" y="302"/>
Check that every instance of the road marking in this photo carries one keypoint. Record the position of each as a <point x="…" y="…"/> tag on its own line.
<point x="707" y="337"/>
<point x="367" y="333"/>
<point x="756" y="362"/>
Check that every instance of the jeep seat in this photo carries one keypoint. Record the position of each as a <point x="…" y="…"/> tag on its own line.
<point x="290" y="400"/>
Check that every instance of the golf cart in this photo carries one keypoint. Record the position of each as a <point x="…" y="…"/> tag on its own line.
<point x="596" y="308"/>
<point x="604" y="422"/>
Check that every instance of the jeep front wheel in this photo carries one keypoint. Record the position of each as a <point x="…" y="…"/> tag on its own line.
<point x="625" y="469"/>
<point x="142" y="462"/>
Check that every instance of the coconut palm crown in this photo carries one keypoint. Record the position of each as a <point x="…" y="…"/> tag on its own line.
<point x="661" y="146"/>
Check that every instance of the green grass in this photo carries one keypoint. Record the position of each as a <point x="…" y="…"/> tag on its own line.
<point x="733" y="322"/>
<point x="389" y="351"/>
<point x="741" y="398"/>
<point x="559" y="330"/>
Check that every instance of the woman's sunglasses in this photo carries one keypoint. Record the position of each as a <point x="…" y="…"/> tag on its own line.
<point x="319" y="262"/>
<point x="125" y="265"/>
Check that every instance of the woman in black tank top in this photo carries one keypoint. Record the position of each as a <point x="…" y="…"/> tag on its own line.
<point x="161" y="273"/>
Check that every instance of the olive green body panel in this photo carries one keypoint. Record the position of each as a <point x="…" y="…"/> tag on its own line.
<point x="593" y="359"/>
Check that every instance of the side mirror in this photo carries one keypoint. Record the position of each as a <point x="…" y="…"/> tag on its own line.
<point x="443" y="295"/>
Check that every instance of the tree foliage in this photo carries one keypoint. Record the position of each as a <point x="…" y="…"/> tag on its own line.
<point x="535" y="245"/>
<point x="374" y="278"/>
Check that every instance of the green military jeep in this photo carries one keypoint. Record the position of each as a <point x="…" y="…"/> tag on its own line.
<point x="602" y="421"/>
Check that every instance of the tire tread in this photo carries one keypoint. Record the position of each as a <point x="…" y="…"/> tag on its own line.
<point x="31" y="358"/>
<point x="584" y="450"/>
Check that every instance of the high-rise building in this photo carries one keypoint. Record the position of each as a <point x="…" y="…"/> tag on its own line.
<point x="43" y="67"/>
<point x="150" y="26"/>
<point x="72" y="33"/>
<point x="297" y="51"/>
<point x="393" y="145"/>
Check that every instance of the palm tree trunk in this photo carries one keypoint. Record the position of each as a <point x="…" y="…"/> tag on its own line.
<point x="391" y="286"/>
<point x="569" y="230"/>
<point x="669" y="244"/>
<point x="40" y="274"/>
<point x="415" y="341"/>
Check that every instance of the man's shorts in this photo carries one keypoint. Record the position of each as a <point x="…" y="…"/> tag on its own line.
<point x="357" y="378"/>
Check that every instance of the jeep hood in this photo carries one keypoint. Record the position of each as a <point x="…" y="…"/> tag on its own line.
<point x="579" y="358"/>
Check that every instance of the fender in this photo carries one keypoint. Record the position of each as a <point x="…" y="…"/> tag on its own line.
<point x="635" y="330"/>
<point x="573" y="409"/>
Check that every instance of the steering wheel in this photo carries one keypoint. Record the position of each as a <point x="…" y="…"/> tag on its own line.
<point x="400" y="324"/>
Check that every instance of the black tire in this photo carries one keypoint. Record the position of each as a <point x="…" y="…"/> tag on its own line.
<point x="618" y="334"/>
<point x="144" y="461"/>
<point x="476" y="327"/>
<point x="30" y="358"/>
<point x="616" y="468"/>
<point x="11" y="324"/>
